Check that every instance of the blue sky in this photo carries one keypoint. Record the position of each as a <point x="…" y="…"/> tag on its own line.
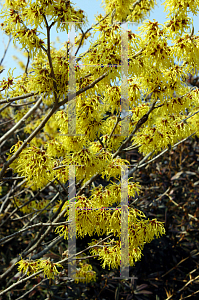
<point x="91" y="7"/>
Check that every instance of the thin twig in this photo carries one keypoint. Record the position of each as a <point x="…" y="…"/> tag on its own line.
<point x="19" y="282"/>
<point x="18" y="97"/>
<point x="6" y="49"/>
<point x="31" y="227"/>
<point x="190" y="116"/>
<point x="28" y="60"/>
<point x="12" y="178"/>
<point x="34" y="244"/>
<point x="32" y="289"/>
<point x="44" y="251"/>
<point x="4" y="107"/>
<point x="164" y="151"/>
<point x="101" y="143"/>
<point x="7" y="197"/>
<point x="55" y="91"/>
<point x="27" y="103"/>
<point x="82" y="90"/>
<point x="137" y="126"/>
<point x="19" y="124"/>
<point x="88" y="248"/>
<point x="84" y="33"/>
<point x="117" y="121"/>
<point x="32" y="135"/>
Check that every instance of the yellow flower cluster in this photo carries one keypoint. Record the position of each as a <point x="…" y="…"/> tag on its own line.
<point x="34" y="164"/>
<point x="20" y="14"/>
<point x="127" y="10"/>
<point x="85" y="273"/>
<point x="114" y="169"/>
<point x="140" y="233"/>
<point x="31" y="267"/>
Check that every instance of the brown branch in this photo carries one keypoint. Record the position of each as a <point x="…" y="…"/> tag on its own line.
<point x="81" y="55"/>
<point x="138" y="125"/>
<point x="28" y="60"/>
<point x="94" y="177"/>
<point x="164" y="151"/>
<point x="179" y="263"/>
<point x="88" y="248"/>
<point x="39" y="272"/>
<point x="82" y="90"/>
<point x="19" y="124"/>
<point x="24" y="104"/>
<point x="55" y="91"/>
<point x="34" y="245"/>
<point x="7" y="197"/>
<point x="12" y="178"/>
<point x="41" y="210"/>
<point x="16" y="209"/>
<point x="21" y="183"/>
<point x="4" y="107"/>
<point x="6" y="49"/>
<point x="84" y="33"/>
<point x="35" y="286"/>
<point x="32" y="135"/>
<point x="19" y="282"/>
<point x="31" y="227"/>
<point x="18" y="98"/>
<point x="117" y="121"/>
<point x="101" y="143"/>
<point x="44" y="251"/>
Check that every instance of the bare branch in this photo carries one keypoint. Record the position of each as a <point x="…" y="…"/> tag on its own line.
<point x="82" y="90"/>
<point x="7" y="197"/>
<point x="13" y="129"/>
<point x="84" y="33"/>
<point x="138" y="125"/>
<point x="31" y="227"/>
<point x="32" y="135"/>
<point x="88" y="248"/>
<point x="24" y="104"/>
<point x="18" y="97"/>
<point x="19" y="282"/>
<point x="4" y="107"/>
<point x="55" y="92"/>
<point x="117" y="121"/>
<point x="35" y="286"/>
<point x="28" y="60"/>
<point x="184" y="121"/>
<point x="140" y="165"/>
<point x="44" y="251"/>
<point x="6" y="49"/>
